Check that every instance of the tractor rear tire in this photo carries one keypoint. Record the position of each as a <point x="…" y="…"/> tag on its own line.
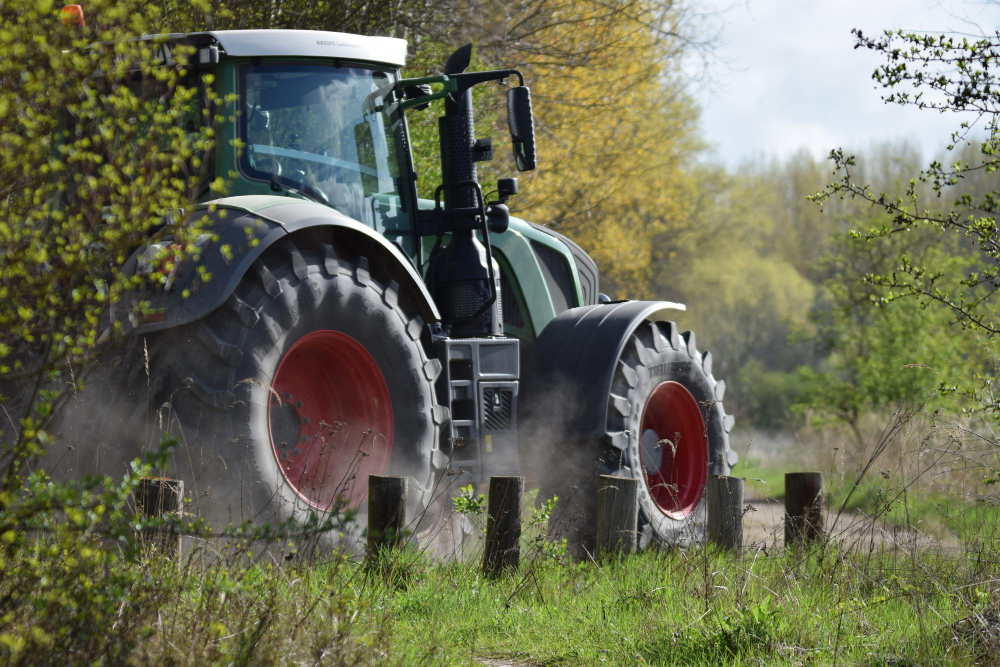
<point x="308" y="379"/>
<point x="666" y="427"/>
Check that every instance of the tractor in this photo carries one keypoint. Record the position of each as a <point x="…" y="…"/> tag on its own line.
<point x="352" y="328"/>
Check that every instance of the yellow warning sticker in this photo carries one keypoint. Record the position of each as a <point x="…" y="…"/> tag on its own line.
<point x="489" y="444"/>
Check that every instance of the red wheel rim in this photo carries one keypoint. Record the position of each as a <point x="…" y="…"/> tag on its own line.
<point x="330" y="419"/>
<point x="674" y="449"/>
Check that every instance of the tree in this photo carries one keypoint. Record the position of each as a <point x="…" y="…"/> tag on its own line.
<point x="101" y="138"/>
<point x="881" y="358"/>
<point x="615" y="129"/>
<point x="773" y="286"/>
<point x="738" y="268"/>
<point x="949" y="75"/>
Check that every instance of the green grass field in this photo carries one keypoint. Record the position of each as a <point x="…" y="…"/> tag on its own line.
<point x="679" y="607"/>
<point x="858" y="602"/>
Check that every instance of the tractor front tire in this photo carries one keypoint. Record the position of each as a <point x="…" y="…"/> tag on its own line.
<point x="666" y="427"/>
<point x="678" y="430"/>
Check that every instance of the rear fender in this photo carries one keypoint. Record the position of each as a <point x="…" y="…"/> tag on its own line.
<point x="575" y="357"/>
<point x="246" y="227"/>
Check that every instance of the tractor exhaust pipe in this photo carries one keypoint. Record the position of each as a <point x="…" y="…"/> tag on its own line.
<point x="457" y="137"/>
<point x="462" y="272"/>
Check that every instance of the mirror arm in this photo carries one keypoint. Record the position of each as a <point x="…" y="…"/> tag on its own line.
<point x="450" y="86"/>
<point x="455" y="83"/>
<point x="467" y="80"/>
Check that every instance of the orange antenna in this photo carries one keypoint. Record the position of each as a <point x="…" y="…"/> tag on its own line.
<point x="72" y="14"/>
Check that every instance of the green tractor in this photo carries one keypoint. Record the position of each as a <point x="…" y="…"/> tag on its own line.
<point x="351" y="328"/>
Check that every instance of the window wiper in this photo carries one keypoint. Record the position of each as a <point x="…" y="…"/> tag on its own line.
<point x="307" y="191"/>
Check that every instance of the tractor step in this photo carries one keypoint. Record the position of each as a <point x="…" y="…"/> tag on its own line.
<point x="479" y="384"/>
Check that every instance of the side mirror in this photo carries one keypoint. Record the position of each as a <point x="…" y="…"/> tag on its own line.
<point x="522" y="127"/>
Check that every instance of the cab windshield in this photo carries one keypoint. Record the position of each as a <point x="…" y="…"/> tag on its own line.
<point x="318" y="126"/>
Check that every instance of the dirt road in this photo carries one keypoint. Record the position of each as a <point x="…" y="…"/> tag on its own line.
<point x="763" y="524"/>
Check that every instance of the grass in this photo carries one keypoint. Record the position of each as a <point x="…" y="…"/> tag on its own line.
<point x="765" y="481"/>
<point x="658" y="607"/>
<point x="697" y="606"/>
<point x="674" y="608"/>
<point x="853" y="602"/>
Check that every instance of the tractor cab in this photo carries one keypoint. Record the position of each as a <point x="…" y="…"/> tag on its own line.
<point x="309" y="128"/>
<point x="303" y="118"/>
<point x="320" y="116"/>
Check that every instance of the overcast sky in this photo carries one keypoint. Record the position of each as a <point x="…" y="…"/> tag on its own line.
<point x="793" y="79"/>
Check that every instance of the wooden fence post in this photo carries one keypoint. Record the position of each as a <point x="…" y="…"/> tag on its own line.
<point x="155" y="497"/>
<point x="617" y="515"/>
<point x="503" y="525"/>
<point x="803" y="506"/>
<point x="725" y="511"/>
<point x="386" y="512"/>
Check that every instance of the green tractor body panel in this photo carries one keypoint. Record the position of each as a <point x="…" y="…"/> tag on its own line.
<point x="534" y="291"/>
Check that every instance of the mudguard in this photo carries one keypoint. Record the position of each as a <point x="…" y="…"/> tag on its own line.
<point x="247" y="226"/>
<point x="575" y="356"/>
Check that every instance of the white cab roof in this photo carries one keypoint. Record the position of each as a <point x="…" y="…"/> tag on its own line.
<point x="313" y="44"/>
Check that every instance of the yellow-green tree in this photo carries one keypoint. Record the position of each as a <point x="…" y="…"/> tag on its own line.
<point x="101" y="143"/>
<point x="615" y="129"/>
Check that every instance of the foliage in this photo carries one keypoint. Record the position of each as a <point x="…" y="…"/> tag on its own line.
<point x="94" y="159"/>
<point x="766" y="396"/>
<point x="937" y="237"/>
<point x="380" y="17"/>
<point x="878" y="358"/>
<point x="617" y="132"/>
<point x="652" y="608"/>
<point x="746" y="269"/>
<point x="469" y="504"/>
<point x="946" y="74"/>
<point x="745" y="295"/>
<point x="775" y="288"/>
<point x="62" y="586"/>
<point x="614" y="125"/>
<point x="76" y="558"/>
<point x="542" y="544"/>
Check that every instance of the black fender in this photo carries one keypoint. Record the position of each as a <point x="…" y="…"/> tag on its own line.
<point x="204" y="283"/>
<point x="575" y="357"/>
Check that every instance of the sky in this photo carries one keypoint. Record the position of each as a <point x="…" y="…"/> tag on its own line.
<point x="786" y="76"/>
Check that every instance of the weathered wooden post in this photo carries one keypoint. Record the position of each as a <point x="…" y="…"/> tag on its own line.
<point x="503" y="525"/>
<point x="155" y="497"/>
<point x="617" y="515"/>
<point x="725" y="511"/>
<point x="803" y="506"/>
<point x="386" y="512"/>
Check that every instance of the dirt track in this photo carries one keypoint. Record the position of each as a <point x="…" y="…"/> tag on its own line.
<point x="764" y="525"/>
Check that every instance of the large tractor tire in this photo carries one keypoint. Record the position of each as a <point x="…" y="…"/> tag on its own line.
<point x="307" y="380"/>
<point x="665" y="427"/>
